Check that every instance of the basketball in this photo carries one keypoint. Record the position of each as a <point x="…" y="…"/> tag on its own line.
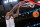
<point x="35" y="14"/>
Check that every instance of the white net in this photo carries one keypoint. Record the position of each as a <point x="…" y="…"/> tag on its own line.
<point x="25" y="3"/>
<point x="28" y="4"/>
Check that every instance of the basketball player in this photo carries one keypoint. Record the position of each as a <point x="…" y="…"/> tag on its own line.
<point x="10" y="16"/>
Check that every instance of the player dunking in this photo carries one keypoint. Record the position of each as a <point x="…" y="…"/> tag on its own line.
<point x="10" y="16"/>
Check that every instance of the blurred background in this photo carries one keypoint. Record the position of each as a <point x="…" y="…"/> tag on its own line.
<point x="23" y="20"/>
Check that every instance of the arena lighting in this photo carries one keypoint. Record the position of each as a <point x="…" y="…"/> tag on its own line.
<point x="15" y="0"/>
<point x="38" y="1"/>
<point x="5" y="2"/>
<point x="10" y="0"/>
<point x="2" y="16"/>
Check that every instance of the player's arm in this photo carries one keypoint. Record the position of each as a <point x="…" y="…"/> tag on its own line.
<point x="8" y="14"/>
<point x="17" y="13"/>
<point x="14" y="8"/>
<point x="11" y="12"/>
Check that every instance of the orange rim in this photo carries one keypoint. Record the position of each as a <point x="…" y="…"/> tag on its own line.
<point x="31" y="1"/>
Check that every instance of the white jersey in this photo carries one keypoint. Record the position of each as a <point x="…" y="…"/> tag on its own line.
<point x="10" y="22"/>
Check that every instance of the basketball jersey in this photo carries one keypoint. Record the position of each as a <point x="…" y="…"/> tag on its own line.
<point x="10" y="22"/>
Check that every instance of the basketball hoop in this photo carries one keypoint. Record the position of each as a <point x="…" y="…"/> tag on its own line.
<point x="31" y="1"/>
